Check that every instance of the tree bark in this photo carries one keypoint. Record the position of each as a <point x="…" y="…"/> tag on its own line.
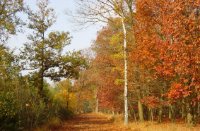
<point x="140" y="111"/>
<point x="41" y="85"/>
<point x="140" y="106"/>
<point x="190" y="117"/>
<point x="97" y="104"/>
<point x="170" y="113"/>
<point x="151" y="115"/>
<point x="125" y="74"/>
<point x="160" y="114"/>
<point x="183" y="113"/>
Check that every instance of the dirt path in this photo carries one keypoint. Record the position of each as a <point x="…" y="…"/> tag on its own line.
<point x="91" y="122"/>
<point x="99" y="122"/>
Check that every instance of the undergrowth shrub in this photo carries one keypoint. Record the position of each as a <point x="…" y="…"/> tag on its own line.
<point x="8" y="111"/>
<point x="21" y="107"/>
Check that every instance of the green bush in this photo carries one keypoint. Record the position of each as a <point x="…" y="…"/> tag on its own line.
<point x="8" y="111"/>
<point x="22" y="108"/>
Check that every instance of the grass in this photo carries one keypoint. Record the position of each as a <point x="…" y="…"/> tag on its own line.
<point x="153" y="126"/>
<point x="150" y="126"/>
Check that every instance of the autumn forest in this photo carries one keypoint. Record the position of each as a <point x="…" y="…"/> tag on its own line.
<point x="143" y="67"/>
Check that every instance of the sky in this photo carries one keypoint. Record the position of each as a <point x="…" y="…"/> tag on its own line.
<point x="81" y="39"/>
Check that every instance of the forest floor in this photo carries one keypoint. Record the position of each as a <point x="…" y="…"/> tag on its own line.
<point x="91" y="122"/>
<point x="101" y="122"/>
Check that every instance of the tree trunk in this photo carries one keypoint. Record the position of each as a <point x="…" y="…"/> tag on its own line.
<point x="198" y="110"/>
<point x="183" y="113"/>
<point x="140" y="106"/>
<point x="151" y="115"/>
<point x="97" y="105"/>
<point x="190" y="120"/>
<point x="140" y="111"/>
<point x="125" y="74"/>
<point x="160" y="114"/>
<point x="41" y="85"/>
<point x="170" y="112"/>
<point x="134" y="115"/>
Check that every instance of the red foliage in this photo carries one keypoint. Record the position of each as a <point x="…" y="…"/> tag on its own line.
<point x="151" y="101"/>
<point x="178" y="91"/>
<point x="168" y="43"/>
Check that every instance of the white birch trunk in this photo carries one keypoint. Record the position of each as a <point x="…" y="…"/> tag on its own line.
<point x="125" y="74"/>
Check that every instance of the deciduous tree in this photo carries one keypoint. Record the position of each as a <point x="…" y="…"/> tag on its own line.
<point x="44" y="53"/>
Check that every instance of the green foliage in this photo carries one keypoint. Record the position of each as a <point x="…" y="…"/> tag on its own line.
<point x="9" y="19"/>
<point x="8" y="105"/>
<point x="86" y="107"/>
<point x="23" y="108"/>
<point x="45" y="53"/>
<point x="64" y="99"/>
<point x="8" y="109"/>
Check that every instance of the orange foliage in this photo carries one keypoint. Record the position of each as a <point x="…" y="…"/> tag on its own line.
<point x="109" y="65"/>
<point x="168" y="43"/>
<point x="151" y="101"/>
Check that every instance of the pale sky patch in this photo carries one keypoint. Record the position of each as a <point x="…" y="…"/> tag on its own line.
<point x="81" y="39"/>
